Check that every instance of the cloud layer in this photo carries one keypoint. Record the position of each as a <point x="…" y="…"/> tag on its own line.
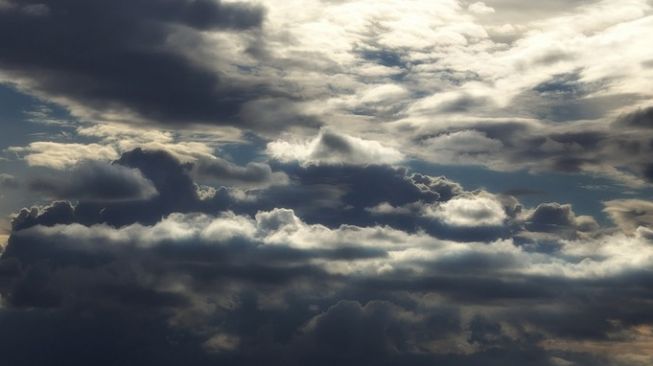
<point x="387" y="265"/>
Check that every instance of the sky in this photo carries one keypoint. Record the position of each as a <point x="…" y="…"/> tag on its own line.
<point x="319" y="182"/>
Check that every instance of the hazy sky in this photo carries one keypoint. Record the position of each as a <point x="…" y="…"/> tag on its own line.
<point x="346" y="182"/>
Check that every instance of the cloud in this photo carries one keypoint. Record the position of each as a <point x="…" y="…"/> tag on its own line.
<point x="418" y="298"/>
<point x="503" y="145"/>
<point x="629" y="214"/>
<point x="225" y="173"/>
<point x="137" y="70"/>
<point x="469" y="211"/>
<point x="330" y="147"/>
<point x="462" y="147"/>
<point x="428" y="81"/>
<point x="231" y="189"/>
<point x="57" y="212"/>
<point x="554" y="217"/>
<point x="63" y="155"/>
<point x="642" y="118"/>
<point x="8" y="181"/>
<point x="96" y="181"/>
<point x="480" y="8"/>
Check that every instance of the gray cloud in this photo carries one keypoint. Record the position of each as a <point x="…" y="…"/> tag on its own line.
<point x="96" y="181"/>
<point x="8" y="181"/>
<point x="554" y="217"/>
<point x="642" y="118"/>
<point x="123" y="56"/>
<point x="228" y="174"/>
<point x="630" y="214"/>
<point x="305" y="299"/>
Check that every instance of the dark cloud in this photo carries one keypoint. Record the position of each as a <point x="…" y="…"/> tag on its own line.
<point x="110" y="55"/>
<point x="551" y="217"/>
<point x="566" y="97"/>
<point x="642" y="118"/>
<point x="337" y="195"/>
<point x="561" y="104"/>
<point x="560" y="218"/>
<point x="225" y="173"/>
<point x="171" y="181"/>
<point x="328" y="195"/>
<point x="619" y="151"/>
<point x="244" y="287"/>
<point x="347" y="332"/>
<point x="243" y="300"/>
<point x="53" y="214"/>
<point x="463" y="104"/>
<point x="96" y="181"/>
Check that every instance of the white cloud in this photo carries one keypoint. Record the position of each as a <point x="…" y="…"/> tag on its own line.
<point x="603" y="256"/>
<point x="58" y="155"/>
<point x="330" y="147"/>
<point x="480" y="8"/>
<point x="468" y="211"/>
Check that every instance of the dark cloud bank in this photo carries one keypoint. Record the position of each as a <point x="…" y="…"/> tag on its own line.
<point x="106" y="56"/>
<point x="178" y="277"/>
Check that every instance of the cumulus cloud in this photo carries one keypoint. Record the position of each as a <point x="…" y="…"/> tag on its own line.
<point x="469" y="211"/>
<point x="560" y="218"/>
<point x="330" y="147"/>
<point x="413" y="258"/>
<point x="419" y="296"/>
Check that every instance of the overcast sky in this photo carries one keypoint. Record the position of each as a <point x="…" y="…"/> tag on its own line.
<point x="320" y="182"/>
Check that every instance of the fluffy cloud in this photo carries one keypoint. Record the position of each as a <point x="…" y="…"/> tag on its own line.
<point x="423" y="268"/>
<point x="417" y="297"/>
<point x="330" y="147"/>
<point x="469" y="212"/>
<point x="480" y="8"/>
<point x="554" y="217"/>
